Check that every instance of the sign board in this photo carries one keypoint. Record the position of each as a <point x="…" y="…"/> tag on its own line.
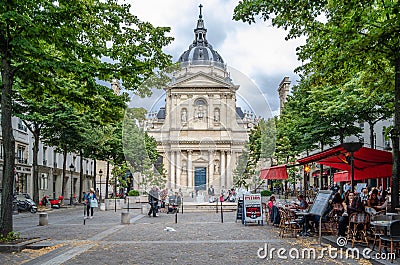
<point x="360" y="187"/>
<point x="252" y="208"/>
<point x="239" y="210"/>
<point x="321" y="202"/>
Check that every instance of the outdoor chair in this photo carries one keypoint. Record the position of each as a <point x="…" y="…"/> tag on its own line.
<point x="377" y="231"/>
<point x="358" y="226"/>
<point x="267" y="213"/>
<point x="287" y="224"/>
<point x="393" y="238"/>
<point x="330" y="224"/>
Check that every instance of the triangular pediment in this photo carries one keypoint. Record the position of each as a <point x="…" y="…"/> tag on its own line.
<point x="200" y="160"/>
<point x="201" y="79"/>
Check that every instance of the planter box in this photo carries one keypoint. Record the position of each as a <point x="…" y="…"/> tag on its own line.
<point x="132" y="199"/>
<point x="111" y="203"/>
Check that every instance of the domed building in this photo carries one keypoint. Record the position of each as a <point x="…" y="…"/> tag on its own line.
<point x="200" y="131"/>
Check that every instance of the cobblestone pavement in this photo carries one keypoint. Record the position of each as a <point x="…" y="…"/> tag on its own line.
<point x="199" y="238"/>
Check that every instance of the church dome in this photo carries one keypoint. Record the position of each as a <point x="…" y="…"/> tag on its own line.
<point x="201" y="52"/>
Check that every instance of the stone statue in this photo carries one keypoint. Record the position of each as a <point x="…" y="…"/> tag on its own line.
<point x="184" y="167"/>
<point x="184" y="116"/>
<point x="216" y="167"/>
<point x="216" y="115"/>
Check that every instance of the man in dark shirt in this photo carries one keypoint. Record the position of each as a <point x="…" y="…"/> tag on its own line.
<point x="302" y="202"/>
<point x="153" y="201"/>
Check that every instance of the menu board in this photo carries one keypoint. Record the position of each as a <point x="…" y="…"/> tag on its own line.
<point x="320" y="202"/>
<point x="239" y="210"/>
<point x="252" y="208"/>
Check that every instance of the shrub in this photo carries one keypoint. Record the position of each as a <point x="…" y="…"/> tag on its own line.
<point x="133" y="193"/>
<point x="10" y="237"/>
<point x="265" y="193"/>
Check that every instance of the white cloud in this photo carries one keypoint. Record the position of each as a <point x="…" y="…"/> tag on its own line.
<point x="258" y="50"/>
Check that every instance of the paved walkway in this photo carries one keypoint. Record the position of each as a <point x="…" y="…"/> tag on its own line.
<point x="197" y="238"/>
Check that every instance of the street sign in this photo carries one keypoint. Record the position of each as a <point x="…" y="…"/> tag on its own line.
<point x="252" y="208"/>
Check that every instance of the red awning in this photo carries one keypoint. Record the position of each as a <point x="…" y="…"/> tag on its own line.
<point x="276" y="172"/>
<point x="368" y="163"/>
<point x="341" y="176"/>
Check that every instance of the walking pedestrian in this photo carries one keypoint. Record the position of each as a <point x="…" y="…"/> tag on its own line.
<point x="211" y="194"/>
<point x="153" y="201"/>
<point x="92" y="203"/>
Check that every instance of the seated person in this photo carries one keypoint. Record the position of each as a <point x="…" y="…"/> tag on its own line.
<point x="364" y="196"/>
<point x="373" y="200"/>
<point x="351" y="204"/>
<point x="336" y="204"/>
<point x="302" y="203"/>
<point x="273" y="210"/>
<point x="383" y="202"/>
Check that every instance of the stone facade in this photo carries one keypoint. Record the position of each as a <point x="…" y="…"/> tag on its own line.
<point x="200" y="132"/>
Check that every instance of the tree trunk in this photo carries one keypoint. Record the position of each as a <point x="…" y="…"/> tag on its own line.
<point x="395" y="137"/>
<point x="6" y="219"/>
<point x="64" y="184"/>
<point x="94" y="174"/>
<point x="107" y="177"/>
<point x="321" y="170"/>
<point x="371" y="134"/>
<point x="81" y="176"/>
<point x="35" y="180"/>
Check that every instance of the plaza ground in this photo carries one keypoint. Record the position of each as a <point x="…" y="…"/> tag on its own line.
<point x="199" y="238"/>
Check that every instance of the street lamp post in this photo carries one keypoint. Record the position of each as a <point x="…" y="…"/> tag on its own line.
<point x="100" y="174"/>
<point x="71" y="169"/>
<point x="307" y="170"/>
<point x="352" y="147"/>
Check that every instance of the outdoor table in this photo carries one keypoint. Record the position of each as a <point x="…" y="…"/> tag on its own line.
<point x="384" y="224"/>
<point x="305" y="225"/>
<point x="391" y="214"/>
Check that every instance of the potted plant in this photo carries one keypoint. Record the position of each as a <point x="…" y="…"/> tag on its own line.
<point x="133" y="196"/>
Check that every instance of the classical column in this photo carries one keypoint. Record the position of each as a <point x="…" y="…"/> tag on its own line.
<point x="222" y="170"/>
<point x="178" y="169"/>
<point x="210" y="168"/>
<point x="190" y="171"/>
<point x="172" y="171"/>
<point x="228" y="170"/>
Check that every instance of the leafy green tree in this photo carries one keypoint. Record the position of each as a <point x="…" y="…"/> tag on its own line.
<point x="79" y="37"/>
<point x="241" y="174"/>
<point x="343" y="38"/>
<point x="140" y="149"/>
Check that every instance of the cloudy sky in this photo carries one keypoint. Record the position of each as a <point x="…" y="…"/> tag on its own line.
<point x="257" y="51"/>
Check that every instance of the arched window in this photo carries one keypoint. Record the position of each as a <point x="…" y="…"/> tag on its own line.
<point x="200" y="102"/>
<point x="201" y="108"/>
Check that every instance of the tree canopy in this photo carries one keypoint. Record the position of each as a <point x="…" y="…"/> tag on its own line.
<point x="350" y="64"/>
<point x="71" y="46"/>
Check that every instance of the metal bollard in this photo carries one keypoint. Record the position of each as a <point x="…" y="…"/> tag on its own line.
<point x="222" y="214"/>
<point x="144" y="208"/>
<point x="125" y="218"/>
<point x="43" y="219"/>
